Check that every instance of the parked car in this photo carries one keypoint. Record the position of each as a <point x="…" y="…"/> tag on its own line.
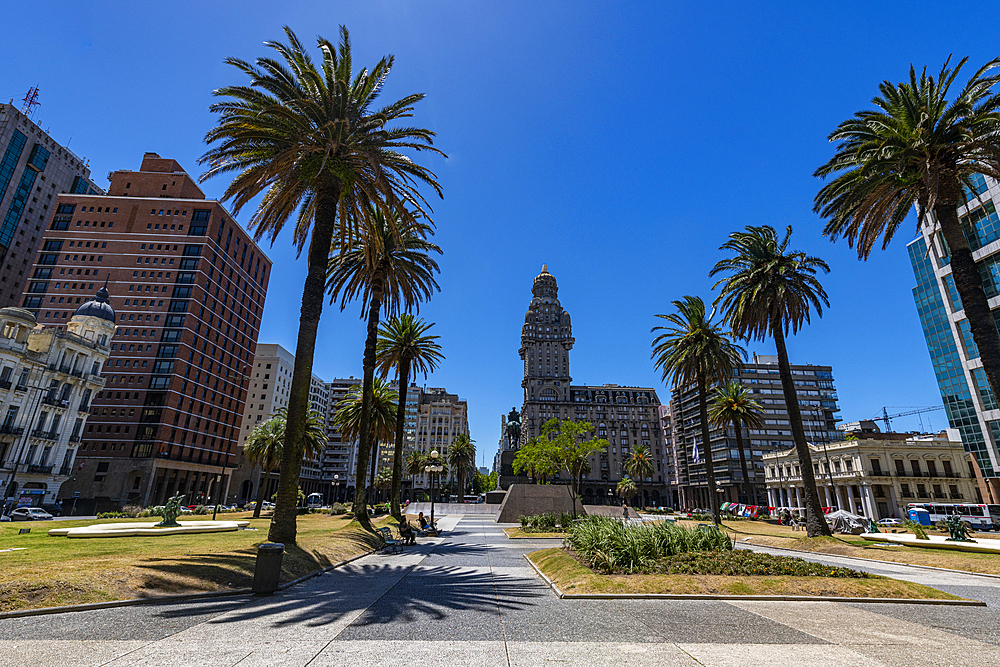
<point x="54" y="510"/>
<point x="4" y="517"/>
<point x="29" y="514"/>
<point x="889" y="522"/>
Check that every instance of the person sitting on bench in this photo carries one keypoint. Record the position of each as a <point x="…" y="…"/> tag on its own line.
<point x="406" y="532"/>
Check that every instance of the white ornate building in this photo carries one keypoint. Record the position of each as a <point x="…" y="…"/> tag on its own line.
<point x="48" y="376"/>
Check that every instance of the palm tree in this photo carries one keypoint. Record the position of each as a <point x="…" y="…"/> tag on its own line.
<point x="265" y="443"/>
<point x="383" y="479"/>
<point x="920" y="149"/>
<point x="734" y="404"/>
<point x="462" y="459"/>
<point x="639" y="466"/>
<point x="694" y="351"/>
<point x="309" y="139"/>
<point x="381" y="417"/>
<point x="263" y="449"/>
<point x="769" y="291"/>
<point x="387" y="264"/>
<point x="403" y="344"/>
<point x="626" y="489"/>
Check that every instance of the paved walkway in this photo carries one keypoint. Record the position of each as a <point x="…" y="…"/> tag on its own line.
<point x="468" y="598"/>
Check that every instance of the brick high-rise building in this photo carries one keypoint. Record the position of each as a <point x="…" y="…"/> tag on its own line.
<point x="188" y="284"/>
<point x="34" y="169"/>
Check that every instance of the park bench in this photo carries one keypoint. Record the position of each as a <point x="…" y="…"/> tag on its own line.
<point x="388" y="542"/>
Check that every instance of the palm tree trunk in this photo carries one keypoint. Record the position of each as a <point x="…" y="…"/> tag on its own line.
<point x="360" y="499"/>
<point x="286" y="506"/>
<point x="815" y="521"/>
<point x="707" y="446"/>
<point x="397" y="460"/>
<point x="256" y="503"/>
<point x="969" y="284"/>
<point x="747" y="487"/>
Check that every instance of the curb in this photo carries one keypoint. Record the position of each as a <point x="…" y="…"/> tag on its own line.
<point x="751" y="598"/>
<point x="529" y="537"/>
<point x="817" y="554"/>
<point x="168" y="599"/>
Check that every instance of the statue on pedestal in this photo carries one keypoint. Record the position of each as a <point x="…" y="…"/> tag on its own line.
<point x="513" y="429"/>
<point x="959" y="529"/>
<point x="170" y="512"/>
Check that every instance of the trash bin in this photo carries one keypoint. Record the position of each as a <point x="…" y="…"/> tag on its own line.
<point x="267" y="570"/>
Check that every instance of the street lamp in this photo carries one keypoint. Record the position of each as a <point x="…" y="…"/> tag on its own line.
<point x="336" y="488"/>
<point x="433" y="469"/>
<point x="218" y="488"/>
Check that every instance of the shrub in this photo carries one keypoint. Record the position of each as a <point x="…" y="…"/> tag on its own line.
<point x="200" y="509"/>
<point x="112" y="515"/>
<point x="699" y="516"/>
<point x="565" y="520"/>
<point x="749" y="563"/>
<point x="337" y="509"/>
<point x="132" y="511"/>
<point x="610" y="544"/>
<point x="916" y="528"/>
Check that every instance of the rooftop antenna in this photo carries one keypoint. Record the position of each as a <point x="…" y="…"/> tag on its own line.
<point x="30" y="101"/>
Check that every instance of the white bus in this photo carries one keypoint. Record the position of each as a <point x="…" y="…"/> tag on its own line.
<point x="314" y="501"/>
<point x="979" y="517"/>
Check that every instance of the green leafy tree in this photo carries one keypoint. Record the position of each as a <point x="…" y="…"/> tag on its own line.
<point x="918" y="148"/>
<point x="462" y="460"/>
<point x="694" y="351"/>
<point x="387" y="265"/>
<point x="383" y="479"/>
<point x="640" y="467"/>
<point x="770" y="290"/>
<point x="381" y="418"/>
<point x="404" y="345"/>
<point x="305" y="140"/>
<point x="733" y="404"/>
<point x="563" y="446"/>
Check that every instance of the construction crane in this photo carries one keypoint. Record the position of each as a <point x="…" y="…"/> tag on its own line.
<point x="886" y="418"/>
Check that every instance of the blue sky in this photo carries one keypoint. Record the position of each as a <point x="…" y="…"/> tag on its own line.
<point x="620" y="143"/>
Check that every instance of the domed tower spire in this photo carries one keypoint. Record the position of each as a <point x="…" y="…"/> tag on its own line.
<point x="546" y="339"/>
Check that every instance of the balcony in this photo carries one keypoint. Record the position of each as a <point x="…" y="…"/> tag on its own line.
<point x="40" y="470"/>
<point x="65" y="471"/>
<point x="5" y="384"/>
<point x="55" y="402"/>
<point x="7" y="429"/>
<point x="77" y="372"/>
<point x="48" y="435"/>
<point x="21" y="387"/>
<point x="83" y="407"/>
<point x="957" y="496"/>
<point x="74" y="438"/>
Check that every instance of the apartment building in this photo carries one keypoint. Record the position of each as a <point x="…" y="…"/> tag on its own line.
<point x="189" y="284"/>
<point x="48" y="378"/>
<point x="34" y="170"/>
<point x="440" y="418"/>
<point x="817" y="398"/>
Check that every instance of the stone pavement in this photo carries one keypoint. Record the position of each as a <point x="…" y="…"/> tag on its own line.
<point x="469" y="598"/>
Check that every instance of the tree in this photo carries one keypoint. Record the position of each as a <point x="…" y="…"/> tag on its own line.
<point x="482" y="483"/>
<point x="639" y="466"/>
<point x="734" y="404"/>
<point x="563" y="446"/>
<point x="626" y="489"/>
<point x="387" y="264"/>
<point x="263" y="448"/>
<point x="383" y="479"/>
<point x="693" y="351"/>
<point x="310" y="141"/>
<point x="403" y="344"/>
<point x="381" y="417"/>
<point x="265" y="443"/>
<point x="462" y="460"/>
<point x="919" y="149"/>
<point x="770" y="290"/>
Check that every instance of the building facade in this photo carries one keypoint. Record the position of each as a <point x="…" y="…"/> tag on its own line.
<point x="48" y="378"/>
<point x="876" y="477"/>
<point x="817" y="398"/>
<point x="625" y="416"/>
<point x="441" y="417"/>
<point x="191" y="284"/>
<point x="970" y="404"/>
<point x="34" y="170"/>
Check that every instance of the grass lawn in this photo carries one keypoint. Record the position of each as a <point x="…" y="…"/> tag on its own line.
<point x="517" y="533"/>
<point x="54" y="571"/>
<point x="572" y="576"/>
<point x="773" y="535"/>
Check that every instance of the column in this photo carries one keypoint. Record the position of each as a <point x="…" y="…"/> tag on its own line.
<point x="770" y="498"/>
<point x="900" y="512"/>
<point x="798" y="497"/>
<point x="826" y="496"/>
<point x="868" y="500"/>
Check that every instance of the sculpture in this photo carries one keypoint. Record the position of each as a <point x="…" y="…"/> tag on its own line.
<point x="959" y="529"/>
<point x="513" y="430"/>
<point x="171" y="511"/>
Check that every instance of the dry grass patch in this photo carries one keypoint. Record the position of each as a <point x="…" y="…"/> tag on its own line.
<point x="766" y="534"/>
<point x="572" y="576"/>
<point x="517" y="533"/>
<point x="55" y="571"/>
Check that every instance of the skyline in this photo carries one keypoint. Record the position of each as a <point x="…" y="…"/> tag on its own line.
<point x="584" y="158"/>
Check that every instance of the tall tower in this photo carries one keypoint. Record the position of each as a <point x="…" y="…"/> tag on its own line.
<point x="546" y="339"/>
